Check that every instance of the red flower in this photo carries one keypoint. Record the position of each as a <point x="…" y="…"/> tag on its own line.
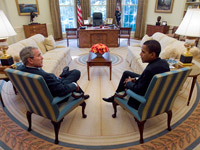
<point x="99" y="48"/>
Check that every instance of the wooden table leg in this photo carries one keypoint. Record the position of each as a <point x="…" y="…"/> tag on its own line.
<point x="191" y="90"/>
<point x="110" y="71"/>
<point x="2" y="100"/>
<point x="88" y="70"/>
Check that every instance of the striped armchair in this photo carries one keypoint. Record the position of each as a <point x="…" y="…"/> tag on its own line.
<point x="159" y="98"/>
<point x="38" y="99"/>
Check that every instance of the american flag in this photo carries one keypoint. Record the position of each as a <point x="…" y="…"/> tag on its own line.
<point x="79" y="13"/>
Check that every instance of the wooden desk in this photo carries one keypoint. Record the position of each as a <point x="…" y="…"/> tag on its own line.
<point x="99" y="61"/>
<point x="94" y="35"/>
<point x="151" y="29"/>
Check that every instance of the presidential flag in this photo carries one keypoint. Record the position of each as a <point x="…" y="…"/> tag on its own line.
<point x="79" y="13"/>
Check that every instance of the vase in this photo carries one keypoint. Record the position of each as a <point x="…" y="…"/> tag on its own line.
<point x="99" y="54"/>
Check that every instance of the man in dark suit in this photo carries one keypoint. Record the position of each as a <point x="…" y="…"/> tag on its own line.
<point x="139" y="83"/>
<point x="59" y="86"/>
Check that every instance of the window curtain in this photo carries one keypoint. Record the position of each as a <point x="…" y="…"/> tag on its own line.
<point x="55" y="16"/>
<point x="110" y="9"/>
<point x="85" y="5"/>
<point x="141" y="17"/>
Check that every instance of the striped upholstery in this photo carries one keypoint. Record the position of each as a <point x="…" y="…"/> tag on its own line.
<point x="160" y="95"/>
<point x="38" y="98"/>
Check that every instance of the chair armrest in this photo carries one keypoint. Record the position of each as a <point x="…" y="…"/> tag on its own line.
<point x="59" y="99"/>
<point x="139" y="98"/>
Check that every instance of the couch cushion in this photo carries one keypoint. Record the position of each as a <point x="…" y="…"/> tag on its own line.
<point x="14" y="49"/>
<point x="177" y="48"/>
<point x="144" y="39"/>
<point x="62" y="51"/>
<point x="39" y="39"/>
<point x="49" y="43"/>
<point x="166" y="41"/>
<point x="158" y="36"/>
<point x="50" y="65"/>
<point x="54" y="56"/>
<point x="29" y="42"/>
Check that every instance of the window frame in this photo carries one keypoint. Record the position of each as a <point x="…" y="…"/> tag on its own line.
<point x="72" y="4"/>
<point x="104" y="15"/>
<point x="123" y="14"/>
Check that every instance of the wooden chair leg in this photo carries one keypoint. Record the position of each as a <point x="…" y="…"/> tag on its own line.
<point x="141" y="129"/>
<point x="28" y="115"/>
<point x="67" y="42"/>
<point x="115" y="109"/>
<point x="83" y="110"/>
<point x="169" y="118"/>
<point x="129" y="41"/>
<point x="56" y="129"/>
<point x="2" y="100"/>
<point x="15" y="90"/>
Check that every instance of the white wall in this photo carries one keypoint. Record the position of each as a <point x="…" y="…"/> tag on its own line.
<point x="10" y="9"/>
<point x="173" y="19"/>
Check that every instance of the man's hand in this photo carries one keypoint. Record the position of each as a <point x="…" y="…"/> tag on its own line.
<point x="129" y="79"/>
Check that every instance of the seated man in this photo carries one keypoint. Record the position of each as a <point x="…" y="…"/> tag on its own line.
<point x="59" y="86"/>
<point x="139" y="83"/>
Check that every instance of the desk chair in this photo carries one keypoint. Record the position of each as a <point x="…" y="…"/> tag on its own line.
<point x="71" y="33"/>
<point x="125" y="33"/>
<point x="38" y="99"/>
<point x="159" y="98"/>
<point x="97" y="19"/>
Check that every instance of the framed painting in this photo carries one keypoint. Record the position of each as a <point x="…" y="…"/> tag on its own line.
<point x="25" y="7"/>
<point x="164" y="6"/>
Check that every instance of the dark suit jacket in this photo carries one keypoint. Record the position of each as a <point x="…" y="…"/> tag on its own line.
<point x="56" y="86"/>
<point x="140" y="86"/>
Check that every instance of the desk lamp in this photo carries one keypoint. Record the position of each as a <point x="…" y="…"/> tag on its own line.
<point x="6" y="30"/>
<point x="189" y="27"/>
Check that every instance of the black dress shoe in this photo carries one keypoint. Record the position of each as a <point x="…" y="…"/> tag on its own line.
<point x="86" y="96"/>
<point x="110" y="99"/>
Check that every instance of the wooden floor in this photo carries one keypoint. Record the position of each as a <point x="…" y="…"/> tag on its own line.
<point x="99" y="128"/>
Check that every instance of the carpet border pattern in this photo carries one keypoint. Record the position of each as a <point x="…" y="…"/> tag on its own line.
<point x="181" y="137"/>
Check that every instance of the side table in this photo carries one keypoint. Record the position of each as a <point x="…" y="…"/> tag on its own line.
<point x="193" y="74"/>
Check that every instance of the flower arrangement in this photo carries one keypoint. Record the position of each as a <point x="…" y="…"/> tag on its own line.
<point x="99" y="48"/>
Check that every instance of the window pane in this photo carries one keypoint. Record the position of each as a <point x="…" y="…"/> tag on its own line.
<point x="67" y="14"/>
<point x="129" y="14"/>
<point x="98" y="6"/>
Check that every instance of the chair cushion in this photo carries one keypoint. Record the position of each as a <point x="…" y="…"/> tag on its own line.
<point x="49" y="43"/>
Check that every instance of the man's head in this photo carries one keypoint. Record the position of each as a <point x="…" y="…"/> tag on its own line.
<point x="150" y="50"/>
<point x="31" y="57"/>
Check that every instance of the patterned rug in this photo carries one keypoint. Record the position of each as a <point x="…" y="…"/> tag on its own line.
<point x="14" y="135"/>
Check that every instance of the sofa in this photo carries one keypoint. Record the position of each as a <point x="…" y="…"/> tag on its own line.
<point x="170" y="48"/>
<point x="56" y="57"/>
